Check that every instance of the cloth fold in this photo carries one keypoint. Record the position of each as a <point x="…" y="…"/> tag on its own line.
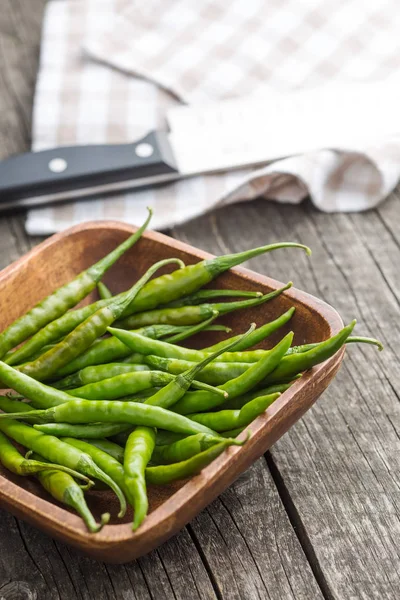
<point x="110" y="69"/>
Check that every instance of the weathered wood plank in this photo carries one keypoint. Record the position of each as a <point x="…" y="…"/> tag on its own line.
<point x="248" y="545"/>
<point x="338" y="469"/>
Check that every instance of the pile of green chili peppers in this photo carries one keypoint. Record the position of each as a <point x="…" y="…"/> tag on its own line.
<point x="107" y="395"/>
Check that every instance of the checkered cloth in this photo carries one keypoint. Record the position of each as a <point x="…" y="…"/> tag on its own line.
<point x="111" y="68"/>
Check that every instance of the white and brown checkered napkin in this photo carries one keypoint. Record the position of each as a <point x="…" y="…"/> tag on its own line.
<point x="110" y="69"/>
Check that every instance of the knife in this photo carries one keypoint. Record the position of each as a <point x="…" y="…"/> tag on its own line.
<point x="214" y="137"/>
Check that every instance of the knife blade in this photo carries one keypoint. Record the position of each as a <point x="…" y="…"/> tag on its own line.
<point x="213" y="137"/>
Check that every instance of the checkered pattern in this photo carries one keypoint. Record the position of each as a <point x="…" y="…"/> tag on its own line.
<point x="111" y="68"/>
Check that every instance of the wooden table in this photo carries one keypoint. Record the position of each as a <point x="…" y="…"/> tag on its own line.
<point x="319" y="515"/>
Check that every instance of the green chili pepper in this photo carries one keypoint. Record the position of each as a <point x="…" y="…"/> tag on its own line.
<point x="168" y="288"/>
<point x="131" y="383"/>
<point x="350" y="340"/>
<point x="91" y="430"/>
<point x="64" y="298"/>
<point x="296" y="363"/>
<point x="103" y="290"/>
<point x="113" y="411"/>
<point x="39" y="393"/>
<point x="205" y="295"/>
<point x="64" y="489"/>
<point x="142" y="345"/>
<point x="121" y="385"/>
<point x="163" y="474"/>
<point x="191" y="315"/>
<point x="217" y="373"/>
<point x="14" y="462"/>
<point x="56" y="451"/>
<point x="224" y="420"/>
<point x="257" y="336"/>
<point x="239" y="401"/>
<point x="87" y="332"/>
<point x="97" y="373"/>
<point x="113" y="449"/>
<point x="200" y="402"/>
<point x="186" y="448"/>
<point x="138" y="451"/>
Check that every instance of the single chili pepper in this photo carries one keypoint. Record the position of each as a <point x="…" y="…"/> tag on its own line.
<point x="121" y="385"/>
<point x="164" y="474"/>
<point x="186" y="448"/>
<point x="296" y="363"/>
<point x="104" y="292"/>
<point x="64" y="298"/>
<point x="113" y="449"/>
<point x="239" y="401"/>
<point x="200" y="402"/>
<point x="64" y="489"/>
<point x="111" y="349"/>
<point x="39" y="393"/>
<point x="224" y="420"/>
<point x="14" y="462"/>
<point x="56" y="451"/>
<point x="126" y="383"/>
<point x="97" y="373"/>
<point x="206" y="295"/>
<point x="258" y="334"/>
<point x="192" y="315"/>
<point x="174" y="391"/>
<point x="87" y="332"/>
<point x="138" y="451"/>
<point x="167" y="288"/>
<point x="113" y="411"/>
<point x="142" y="345"/>
<point x="352" y="339"/>
<point x="217" y="373"/>
<point x="88" y="431"/>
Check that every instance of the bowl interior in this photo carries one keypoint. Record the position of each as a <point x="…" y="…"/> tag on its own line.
<point x="28" y="281"/>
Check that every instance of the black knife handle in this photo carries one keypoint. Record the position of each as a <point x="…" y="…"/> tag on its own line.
<point x="73" y="167"/>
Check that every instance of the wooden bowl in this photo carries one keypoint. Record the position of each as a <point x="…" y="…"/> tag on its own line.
<point x="59" y="259"/>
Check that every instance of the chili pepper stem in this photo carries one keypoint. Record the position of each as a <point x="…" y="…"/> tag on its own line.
<point x="223" y="263"/>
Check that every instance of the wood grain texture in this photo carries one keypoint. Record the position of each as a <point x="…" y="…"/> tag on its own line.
<point x="337" y="470"/>
<point x="353" y="552"/>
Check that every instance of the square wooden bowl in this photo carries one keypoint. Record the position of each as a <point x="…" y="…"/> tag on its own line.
<point x="58" y="260"/>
